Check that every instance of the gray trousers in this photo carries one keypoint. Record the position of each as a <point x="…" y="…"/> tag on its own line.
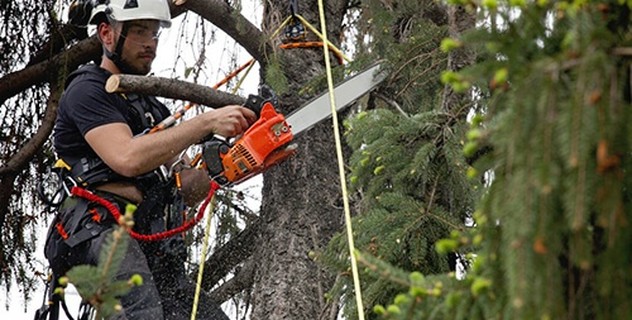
<point x="166" y="293"/>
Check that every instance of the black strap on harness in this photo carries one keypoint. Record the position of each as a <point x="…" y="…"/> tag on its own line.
<point x="52" y="301"/>
<point x="145" y="110"/>
<point x="92" y="172"/>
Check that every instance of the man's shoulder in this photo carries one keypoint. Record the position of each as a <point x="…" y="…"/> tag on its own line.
<point x="89" y="73"/>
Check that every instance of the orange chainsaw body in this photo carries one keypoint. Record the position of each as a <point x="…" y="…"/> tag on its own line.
<point x="261" y="146"/>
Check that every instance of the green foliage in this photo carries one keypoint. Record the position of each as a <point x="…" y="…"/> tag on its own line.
<point x="432" y="297"/>
<point x="551" y="141"/>
<point x="560" y="137"/>
<point x="275" y="77"/>
<point x="412" y="176"/>
<point x="407" y="167"/>
<point x="98" y="285"/>
<point x="401" y="33"/>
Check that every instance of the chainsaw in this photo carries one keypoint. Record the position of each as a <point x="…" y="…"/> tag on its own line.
<point x="268" y="141"/>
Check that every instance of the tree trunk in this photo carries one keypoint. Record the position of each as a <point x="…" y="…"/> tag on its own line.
<point x="459" y="20"/>
<point x="302" y="204"/>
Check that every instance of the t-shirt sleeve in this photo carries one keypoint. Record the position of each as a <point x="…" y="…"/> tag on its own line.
<point x="91" y="106"/>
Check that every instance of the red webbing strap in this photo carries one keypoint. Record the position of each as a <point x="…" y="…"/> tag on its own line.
<point x="83" y="193"/>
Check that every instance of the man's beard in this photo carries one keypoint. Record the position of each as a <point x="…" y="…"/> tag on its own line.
<point x="128" y="68"/>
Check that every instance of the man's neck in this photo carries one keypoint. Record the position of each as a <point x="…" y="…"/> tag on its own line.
<point x="108" y="65"/>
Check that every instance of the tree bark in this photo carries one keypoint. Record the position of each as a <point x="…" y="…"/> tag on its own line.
<point x="302" y="205"/>
<point x="226" y="258"/>
<point x="242" y="280"/>
<point x="460" y="19"/>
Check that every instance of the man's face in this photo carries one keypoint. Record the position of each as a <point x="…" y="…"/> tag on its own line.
<point x="139" y="49"/>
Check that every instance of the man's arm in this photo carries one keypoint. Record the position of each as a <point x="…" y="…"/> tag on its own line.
<point x="129" y="156"/>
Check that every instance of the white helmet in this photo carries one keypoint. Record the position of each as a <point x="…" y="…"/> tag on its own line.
<point x="126" y="10"/>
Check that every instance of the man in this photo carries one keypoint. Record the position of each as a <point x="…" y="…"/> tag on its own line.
<point x="100" y="136"/>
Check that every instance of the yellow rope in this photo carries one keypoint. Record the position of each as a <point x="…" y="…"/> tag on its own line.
<point x="341" y="169"/>
<point x="198" y="286"/>
<point x="241" y="80"/>
<point x="322" y="37"/>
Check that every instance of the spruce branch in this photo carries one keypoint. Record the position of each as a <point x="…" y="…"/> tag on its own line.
<point x="622" y="51"/>
<point x="392" y="103"/>
<point x="420" y="75"/>
<point x="384" y="270"/>
<point x="406" y="64"/>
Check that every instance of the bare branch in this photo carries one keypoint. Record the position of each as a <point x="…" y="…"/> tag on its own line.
<point x="61" y="35"/>
<point x="19" y="160"/>
<point x="243" y="279"/>
<point x="392" y="103"/>
<point x="234" y="24"/>
<point x="36" y="74"/>
<point x="231" y="254"/>
<point x="622" y="51"/>
<point x="171" y="88"/>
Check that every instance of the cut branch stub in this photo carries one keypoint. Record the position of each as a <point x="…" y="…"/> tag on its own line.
<point x="171" y="88"/>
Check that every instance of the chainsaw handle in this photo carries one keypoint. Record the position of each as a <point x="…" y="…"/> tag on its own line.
<point x="256" y="102"/>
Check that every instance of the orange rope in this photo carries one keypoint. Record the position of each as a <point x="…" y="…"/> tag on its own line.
<point x="61" y="231"/>
<point x="234" y="74"/>
<point x="309" y="45"/>
<point x="178" y="114"/>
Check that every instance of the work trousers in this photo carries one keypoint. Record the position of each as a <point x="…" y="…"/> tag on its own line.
<point x="166" y="293"/>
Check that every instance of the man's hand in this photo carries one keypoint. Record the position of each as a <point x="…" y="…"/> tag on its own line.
<point x="230" y="121"/>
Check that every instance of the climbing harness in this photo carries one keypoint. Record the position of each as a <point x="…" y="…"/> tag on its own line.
<point x="91" y="197"/>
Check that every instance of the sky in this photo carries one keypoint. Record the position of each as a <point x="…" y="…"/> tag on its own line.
<point x="217" y="52"/>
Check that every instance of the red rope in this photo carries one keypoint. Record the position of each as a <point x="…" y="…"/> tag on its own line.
<point x="83" y="193"/>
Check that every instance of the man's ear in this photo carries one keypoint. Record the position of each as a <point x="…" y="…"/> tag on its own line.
<point x="105" y="32"/>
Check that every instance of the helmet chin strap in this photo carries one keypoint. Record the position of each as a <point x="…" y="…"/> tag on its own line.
<point x="116" y="56"/>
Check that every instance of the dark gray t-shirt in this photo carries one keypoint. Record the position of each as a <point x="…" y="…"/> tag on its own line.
<point x="85" y="105"/>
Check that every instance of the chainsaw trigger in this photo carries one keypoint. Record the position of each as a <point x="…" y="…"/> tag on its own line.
<point x="255" y="103"/>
